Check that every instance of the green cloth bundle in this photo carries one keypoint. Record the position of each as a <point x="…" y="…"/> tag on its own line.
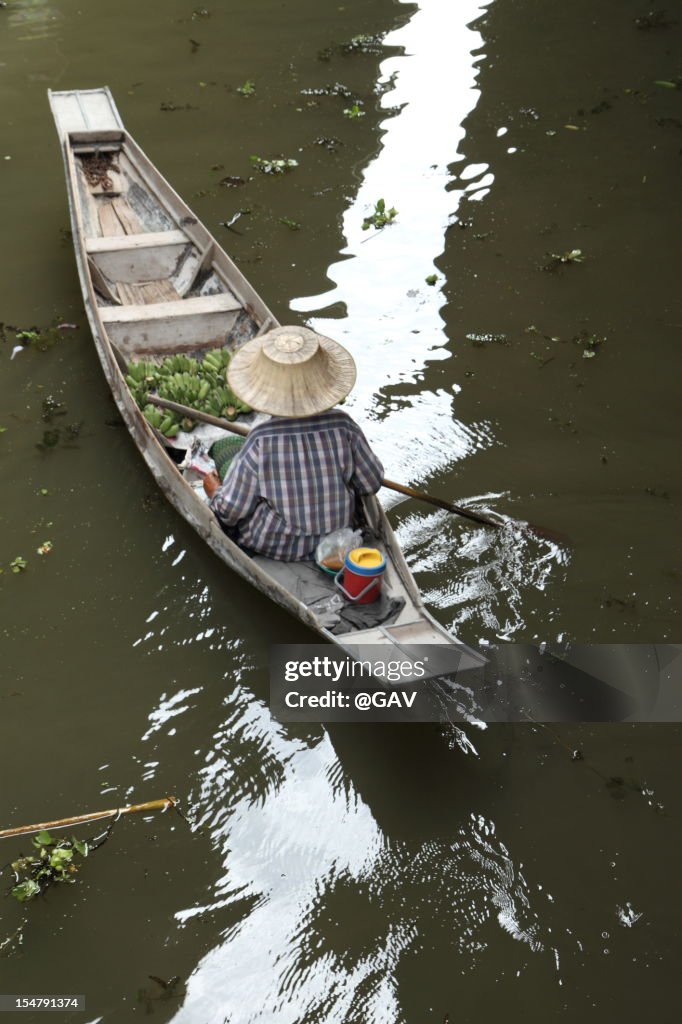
<point x="223" y="452"/>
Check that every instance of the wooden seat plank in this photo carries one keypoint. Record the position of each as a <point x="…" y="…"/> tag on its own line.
<point x="147" y="239"/>
<point x="225" y="302"/>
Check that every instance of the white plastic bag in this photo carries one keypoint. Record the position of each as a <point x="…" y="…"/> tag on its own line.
<point x="332" y="549"/>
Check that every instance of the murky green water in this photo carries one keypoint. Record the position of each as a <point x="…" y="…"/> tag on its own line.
<point x="367" y="873"/>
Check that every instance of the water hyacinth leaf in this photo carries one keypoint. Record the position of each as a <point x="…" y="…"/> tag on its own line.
<point x="431" y="279"/>
<point x="43" y="839"/>
<point x="60" y="857"/>
<point x="81" y="847"/>
<point x="665" y="83"/>
<point x="381" y="216"/>
<point x="26" y="890"/>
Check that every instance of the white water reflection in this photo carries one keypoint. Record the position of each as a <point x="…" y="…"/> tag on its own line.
<point x="481" y="577"/>
<point x="304" y="861"/>
<point x="393" y="326"/>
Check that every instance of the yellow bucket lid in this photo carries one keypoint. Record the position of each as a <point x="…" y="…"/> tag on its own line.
<point x="366" y="558"/>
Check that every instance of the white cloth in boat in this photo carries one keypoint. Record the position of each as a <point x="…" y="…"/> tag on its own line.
<point x="296" y="480"/>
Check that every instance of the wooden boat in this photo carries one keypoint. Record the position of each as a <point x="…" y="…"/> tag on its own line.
<point x="155" y="282"/>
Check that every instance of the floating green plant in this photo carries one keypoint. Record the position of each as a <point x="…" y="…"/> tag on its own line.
<point x="557" y="260"/>
<point x="247" y="89"/>
<point x="590" y="343"/>
<point x="52" y="862"/>
<point x="381" y="216"/>
<point x="353" y="111"/>
<point x="279" y="165"/>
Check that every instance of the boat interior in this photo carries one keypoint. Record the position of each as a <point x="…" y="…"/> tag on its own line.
<point x="159" y="290"/>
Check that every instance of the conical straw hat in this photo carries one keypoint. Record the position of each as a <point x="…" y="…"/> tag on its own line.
<point x="291" y="371"/>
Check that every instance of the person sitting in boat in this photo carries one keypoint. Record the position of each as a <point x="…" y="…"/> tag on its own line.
<point x="298" y="475"/>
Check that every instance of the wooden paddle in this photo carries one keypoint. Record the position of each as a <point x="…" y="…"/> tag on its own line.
<point x="410" y="492"/>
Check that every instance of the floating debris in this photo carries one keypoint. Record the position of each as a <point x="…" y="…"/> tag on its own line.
<point x="431" y="279"/>
<point x="293" y="225"/>
<point x="381" y="216"/>
<point x="354" y="111"/>
<point x="337" y="89"/>
<point x="487" y="339"/>
<point x="52" y="408"/>
<point x="653" y="20"/>
<point x="367" y="44"/>
<point x="170" y="107"/>
<point x="329" y="142"/>
<point x="363" y="44"/>
<point x="557" y="260"/>
<point x="53" y="863"/>
<point x="171" y="989"/>
<point x="627" y="916"/>
<point x="279" y="165"/>
<point x="232" y="180"/>
<point x="590" y="343"/>
<point x="45" y="548"/>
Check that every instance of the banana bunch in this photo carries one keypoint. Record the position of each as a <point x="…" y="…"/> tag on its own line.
<point x="178" y="364"/>
<point x="216" y="362"/>
<point x="167" y="423"/>
<point x="185" y="388"/>
<point x="142" y="372"/>
<point x="222" y="401"/>
<point x="180" y="378"/>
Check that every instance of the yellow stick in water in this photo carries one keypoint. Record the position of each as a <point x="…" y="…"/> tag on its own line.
<point x="79" y="819"/>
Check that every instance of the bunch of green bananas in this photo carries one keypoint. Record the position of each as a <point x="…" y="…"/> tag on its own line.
<point x="222" y="401"/>
<point x="180" y="378"/>
<point x="216" y="362"/>
<point x="167" y="423"/>
<point x="178" y="364"/>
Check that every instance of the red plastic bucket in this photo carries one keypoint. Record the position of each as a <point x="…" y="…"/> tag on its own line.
<point x="362" y="575"/>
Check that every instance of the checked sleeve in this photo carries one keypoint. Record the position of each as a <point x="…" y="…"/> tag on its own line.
<point x="368" y="472"/>
<point x="238" y="496"/>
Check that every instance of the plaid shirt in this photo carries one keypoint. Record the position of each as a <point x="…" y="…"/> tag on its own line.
<point x="294" y="481"/>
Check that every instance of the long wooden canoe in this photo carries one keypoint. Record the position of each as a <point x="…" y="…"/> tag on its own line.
<point x="156" y="282"/>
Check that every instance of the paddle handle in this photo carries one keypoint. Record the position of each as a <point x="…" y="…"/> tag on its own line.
<point x="410" y="492"/>
<point x="197" y="414"/>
